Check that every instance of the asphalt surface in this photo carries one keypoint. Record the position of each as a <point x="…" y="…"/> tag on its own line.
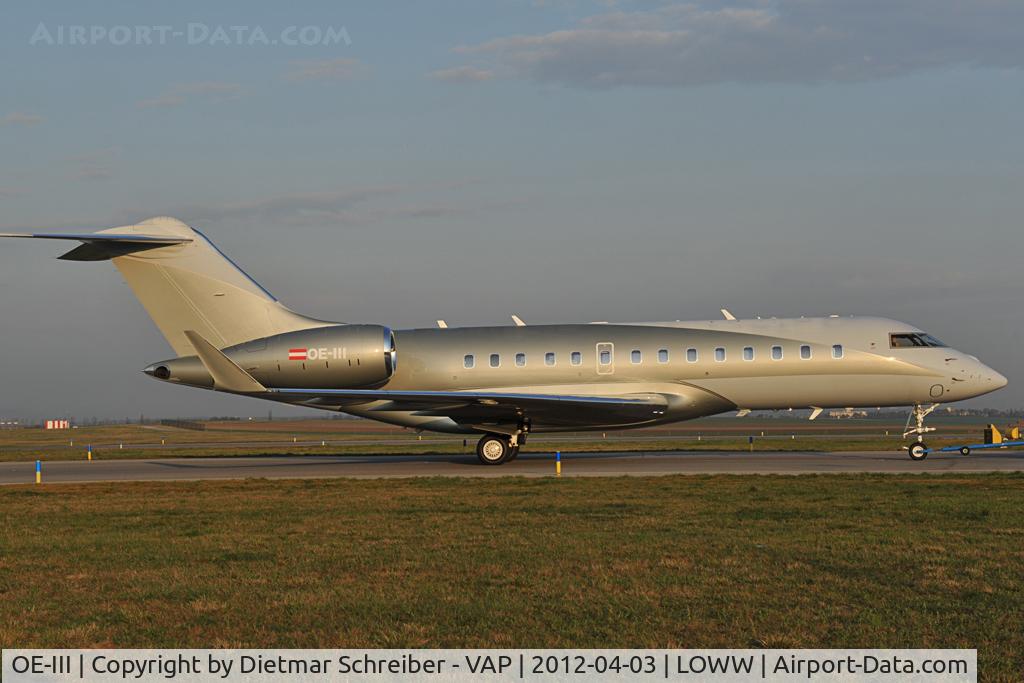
<point x="432" y="439"/>
<point x="527" y="465"/>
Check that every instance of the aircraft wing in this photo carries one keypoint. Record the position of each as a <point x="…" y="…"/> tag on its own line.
<point x="471" y="407"/>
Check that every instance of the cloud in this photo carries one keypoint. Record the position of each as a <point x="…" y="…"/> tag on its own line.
<point x="95" y="165"/>
<point x="763" y="41"/>
<point x="18" y="118"/>
<point x="162" y="102"/>
<point x="296" y="208"/>
<point x="92" y="173"/>
<point x="344" y="69"/>
<point x="462" y="74"/>
<point x="180" y="93"/>
<point x="349" y="207"/>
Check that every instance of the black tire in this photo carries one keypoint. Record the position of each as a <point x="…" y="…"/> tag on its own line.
<point x="918" y="451"/>
<point x="965" y="450"/>
<point x="493" y="449"/>
<point x="513" y="454"/>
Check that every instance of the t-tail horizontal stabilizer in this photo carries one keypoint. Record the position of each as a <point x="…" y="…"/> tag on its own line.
<point x="227" y="375"/>
<point x="101" y="247"/>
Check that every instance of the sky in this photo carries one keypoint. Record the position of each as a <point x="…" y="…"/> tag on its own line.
<point x="566" y="161"/>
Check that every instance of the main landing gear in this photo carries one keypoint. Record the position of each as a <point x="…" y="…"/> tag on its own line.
<point x="497" y="449"/>
<point x="918" y="450"/>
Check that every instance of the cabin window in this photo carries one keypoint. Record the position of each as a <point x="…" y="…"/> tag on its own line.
<point x="748" y="353"/>
<point x="606" y="357"/>
<point x="520" y="359"/>
<point x="495" y="360"/>
<point x="549" y="358"/>
<point x="805" y="352"/>
<point x="776" y="353"/>
<point x="719" y="354"/>
<point x="635" y="356"/>
<point x="662" y="355"/>
<point x="691" y="355"/>
<point x="837" y="350"/>
<point x="576" y="358"/>
<point x="467" y="361"/>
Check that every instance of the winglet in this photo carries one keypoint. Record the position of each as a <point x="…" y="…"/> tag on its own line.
<point x="227" y="375"/>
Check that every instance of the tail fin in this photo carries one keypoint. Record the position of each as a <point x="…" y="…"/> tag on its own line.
<point x="186" y="283"/>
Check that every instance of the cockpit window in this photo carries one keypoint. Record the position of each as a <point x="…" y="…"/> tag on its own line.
<point x="913" y="339"/>
<point x="932" y="341"/>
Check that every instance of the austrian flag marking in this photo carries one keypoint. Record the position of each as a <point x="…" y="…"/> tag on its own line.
<point x="316" y="354"/>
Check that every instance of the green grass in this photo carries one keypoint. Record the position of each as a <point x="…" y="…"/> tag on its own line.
<point x="699" y="561"/>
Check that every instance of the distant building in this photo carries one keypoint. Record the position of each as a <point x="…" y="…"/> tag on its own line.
<point x="848" y="413"/>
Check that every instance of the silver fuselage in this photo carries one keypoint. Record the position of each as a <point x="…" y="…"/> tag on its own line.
<point x="705" y="367"/>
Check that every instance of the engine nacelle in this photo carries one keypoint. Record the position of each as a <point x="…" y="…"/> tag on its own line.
<point x="335" y="357"/>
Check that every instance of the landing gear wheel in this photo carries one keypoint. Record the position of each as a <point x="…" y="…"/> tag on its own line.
<point x="918" y="451"/>
<point x="965" y="451"/>
<point x="513" y="454"/>
<point x="493" y="449"/>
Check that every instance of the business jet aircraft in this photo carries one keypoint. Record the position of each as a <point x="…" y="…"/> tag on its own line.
<point x="232" y="335"/>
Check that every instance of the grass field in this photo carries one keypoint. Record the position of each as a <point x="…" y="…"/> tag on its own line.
<point x="730" y="561"/>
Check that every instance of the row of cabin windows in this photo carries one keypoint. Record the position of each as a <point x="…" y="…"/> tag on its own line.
<point x="636" y="356"/>
<point x="776" y="353"/>
<point x="575" y="358"/>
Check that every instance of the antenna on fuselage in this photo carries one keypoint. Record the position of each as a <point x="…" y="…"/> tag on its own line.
<point x="442" y="324"/>
<point x="727" y="315"/>
<point x="518" y="321"/>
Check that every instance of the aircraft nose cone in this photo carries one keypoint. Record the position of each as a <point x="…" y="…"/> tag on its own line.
<point x="998" y="381"/>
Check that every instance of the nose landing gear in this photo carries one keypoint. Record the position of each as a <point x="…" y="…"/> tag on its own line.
<point x="918" y="450"/>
